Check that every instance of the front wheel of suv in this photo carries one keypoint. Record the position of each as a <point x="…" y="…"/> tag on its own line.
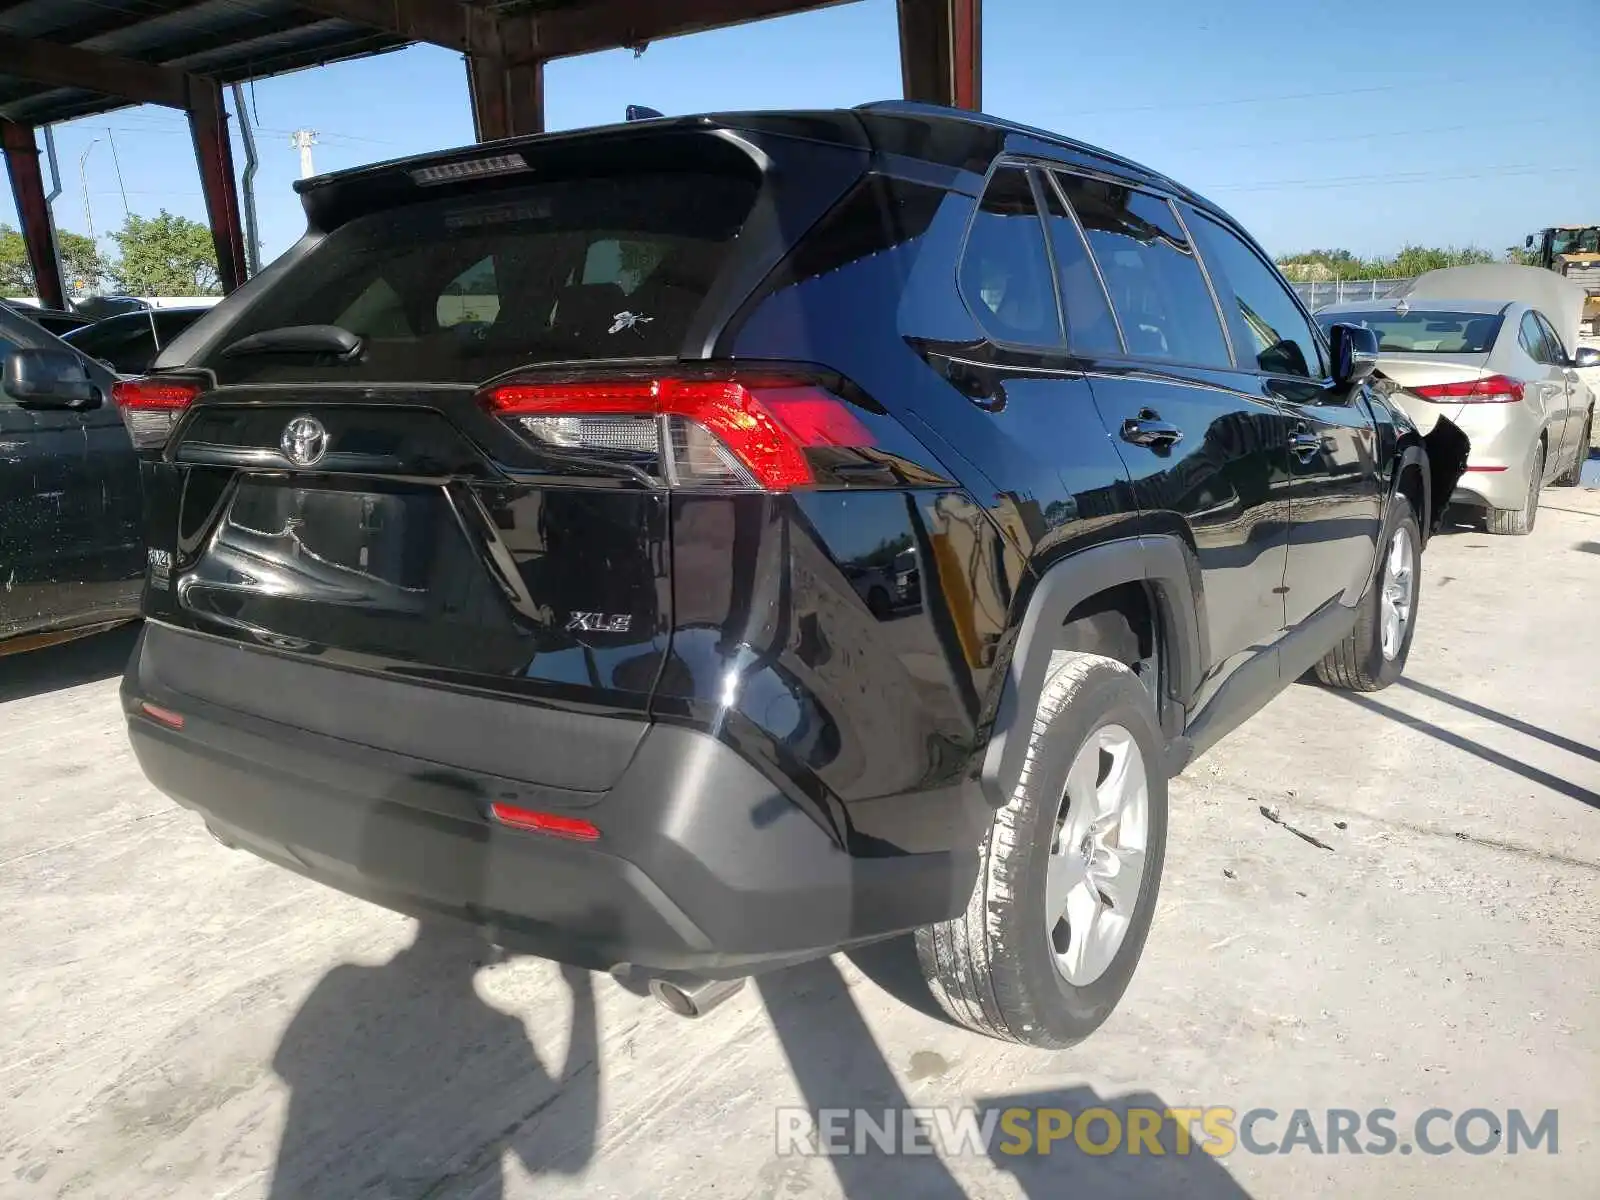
<point x="1069" y="870"/>
<point x="1373" y="655"/>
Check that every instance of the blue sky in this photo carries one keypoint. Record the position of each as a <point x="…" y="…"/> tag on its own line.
<point x="1364" y="124"/>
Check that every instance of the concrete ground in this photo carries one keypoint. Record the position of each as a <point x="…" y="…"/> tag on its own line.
<point x="185" y="1021"/>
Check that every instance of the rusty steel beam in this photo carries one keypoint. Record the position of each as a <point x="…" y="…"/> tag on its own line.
<point x="507" y="99"/>
<point x="941" y="52"/>
<point x="38" y="231"/>
<point x="449" y="23"/>
<point x="208" y="126"/>
<point x="608" y="24"/>
<point x="67" y="66"/>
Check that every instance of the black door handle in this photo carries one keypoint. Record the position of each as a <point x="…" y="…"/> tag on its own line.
<point x="1148" y="429"/>
<point x="1304" y="444"/>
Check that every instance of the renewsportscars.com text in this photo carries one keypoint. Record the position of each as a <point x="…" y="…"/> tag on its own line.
<point x="1216" y="1131"/>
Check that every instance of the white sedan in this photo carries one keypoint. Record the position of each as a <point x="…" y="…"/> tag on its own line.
<point x="1499" y="371"/>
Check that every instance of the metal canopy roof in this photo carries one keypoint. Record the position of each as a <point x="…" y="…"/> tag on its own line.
<point x="62" y="59"/>
<point x="229" y="40"/>
<point x="233" y="40"/>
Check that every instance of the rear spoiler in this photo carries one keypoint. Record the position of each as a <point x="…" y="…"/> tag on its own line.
<point x="730" y="142"/>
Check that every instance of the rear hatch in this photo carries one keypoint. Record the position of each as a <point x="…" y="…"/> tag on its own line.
<point x="371" y="455"/>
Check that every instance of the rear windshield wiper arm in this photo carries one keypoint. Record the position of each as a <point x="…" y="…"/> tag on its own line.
<point x="298" y="339"/>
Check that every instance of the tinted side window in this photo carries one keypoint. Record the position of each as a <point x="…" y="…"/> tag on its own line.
<point x="1091" y="329"/>
<point x="1266" y="323"/>
<point x="1532" y="338"/>
<point x="1005" y="271"/>
<point x="1558" y="348"/>
<point x="1160" y="297"/>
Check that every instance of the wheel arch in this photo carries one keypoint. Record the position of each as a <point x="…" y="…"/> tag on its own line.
<point x="1165" y="569"/>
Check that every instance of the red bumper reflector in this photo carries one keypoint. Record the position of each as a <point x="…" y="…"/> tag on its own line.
<point x="575" y="828"/>
<point x="164" y="716"/>
<point x="1486" y="468"/>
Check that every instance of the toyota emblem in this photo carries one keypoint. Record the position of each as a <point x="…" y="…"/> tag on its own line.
<point x="304" y="441"/>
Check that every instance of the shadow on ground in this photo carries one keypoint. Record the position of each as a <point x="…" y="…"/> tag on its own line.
<point x="1528" y="771"/>
<point x="839" y="1065"/>
<point x="87" y="660"/>
<point x="404" y="1082"/>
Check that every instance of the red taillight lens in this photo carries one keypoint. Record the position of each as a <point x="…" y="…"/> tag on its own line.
<point x="700" y="433"/>
<point x="164" y="716"/>
<point x="575" y="828"/>
<point x="150" y="407"/>
<point x="1492" y="389"/>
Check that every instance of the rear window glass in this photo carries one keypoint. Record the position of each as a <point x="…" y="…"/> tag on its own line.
<point x="1419" y="332"/>
<point x="456" y="291"/>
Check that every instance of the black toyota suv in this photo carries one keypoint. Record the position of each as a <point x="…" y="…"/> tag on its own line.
<point x="506" y="540"/>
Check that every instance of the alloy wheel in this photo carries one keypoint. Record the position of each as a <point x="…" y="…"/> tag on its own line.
<point x="1399" y="571"/>
<point x="1096" y="865"/>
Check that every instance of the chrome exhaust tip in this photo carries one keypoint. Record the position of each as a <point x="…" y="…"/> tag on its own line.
<point x="693" y="997"/>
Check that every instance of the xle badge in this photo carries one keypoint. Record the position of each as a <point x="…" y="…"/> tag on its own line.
<point x="593" y="622"/>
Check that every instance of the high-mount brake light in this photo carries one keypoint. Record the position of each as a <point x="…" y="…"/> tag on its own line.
<point x="472" y="168"/>
<point x="1491" y="389"/>
<point x="695" y="433"/>
<point x="151" y="406"/>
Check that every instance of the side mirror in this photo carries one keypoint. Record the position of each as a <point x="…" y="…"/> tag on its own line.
<point x="1527" y="242"/>
<point x="1355" y="353"/>
<point x="50" y="378"/>
<point x="1586" y="356"/>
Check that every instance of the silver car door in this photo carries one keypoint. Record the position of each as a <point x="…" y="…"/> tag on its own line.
<point x="1564" y="375"/>
<point x="1546" y="389"/>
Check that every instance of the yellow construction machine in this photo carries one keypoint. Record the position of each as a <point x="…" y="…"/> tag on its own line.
<point x="1573" y="251"/>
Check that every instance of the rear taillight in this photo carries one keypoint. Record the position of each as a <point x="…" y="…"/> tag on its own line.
<point x="151" y="406"/>
<point x="687" y="433"/>
<point x="1492" y="389"/>
<point x="553" y="824"/>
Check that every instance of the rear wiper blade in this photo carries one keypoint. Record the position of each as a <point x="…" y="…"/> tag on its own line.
<point x="298" y="339"/>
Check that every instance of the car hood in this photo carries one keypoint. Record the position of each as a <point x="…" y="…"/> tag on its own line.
<point x="1558" y="298"/>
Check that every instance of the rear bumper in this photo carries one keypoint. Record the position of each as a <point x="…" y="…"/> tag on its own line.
<point x="703" y="864"/>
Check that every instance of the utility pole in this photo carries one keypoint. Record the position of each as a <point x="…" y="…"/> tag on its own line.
<point x="83" y="181"/>
<point x="302" y="140"/>
<point x="252" y="238"/>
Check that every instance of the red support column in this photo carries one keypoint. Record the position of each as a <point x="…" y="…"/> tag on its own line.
<point x="38" y="231"/>
<point x="941" y="52"/>
<point x="208" y="125"/>
<point x="966" y="56"/>
<point x="507" y="98"/>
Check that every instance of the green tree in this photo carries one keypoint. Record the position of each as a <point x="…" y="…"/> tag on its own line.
<point x="1319" y="265"/>
<point x="80" y="262"/>
<point x="164" y="255"/>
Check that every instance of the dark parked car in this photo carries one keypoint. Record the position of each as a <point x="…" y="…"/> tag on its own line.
<point x="98" y="308"/>
<point x="71" y="554"/>
<point x="504" y="537"/>
<point x="129" y="342"/>
<point x="52" y="320"/>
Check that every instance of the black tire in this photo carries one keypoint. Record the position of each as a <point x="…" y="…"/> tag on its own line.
<point x="1518" y="522"/>
<point x="1573" y="474"/>
<point x="879" y="604"/>
<point x="1358" y="663"/>
<point x="993" y="968"/>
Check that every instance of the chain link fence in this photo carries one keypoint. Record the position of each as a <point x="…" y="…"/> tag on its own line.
<point x="1338" y="291"/>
